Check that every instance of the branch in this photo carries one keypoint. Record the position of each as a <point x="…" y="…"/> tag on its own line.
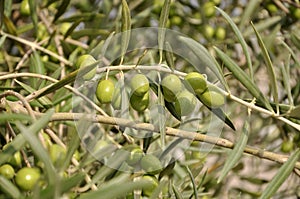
<point x="221" y="142"/>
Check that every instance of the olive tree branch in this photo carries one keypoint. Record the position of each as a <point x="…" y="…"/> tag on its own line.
<point x="221" y="142"/>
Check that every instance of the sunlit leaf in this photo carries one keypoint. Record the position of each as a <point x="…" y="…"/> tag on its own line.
<point x="270" y="68"/>
<point x="281" y="176"/>
<point x="163" y="19"/>
<point x="241" y="40"/>
<point x="126" y="29"/>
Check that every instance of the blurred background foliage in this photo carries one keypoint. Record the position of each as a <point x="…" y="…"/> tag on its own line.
<point x="47" y="36"/>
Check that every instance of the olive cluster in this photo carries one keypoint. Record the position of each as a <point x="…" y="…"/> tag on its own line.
<point x="181" y="94"/>
<point x="25" y="177"/>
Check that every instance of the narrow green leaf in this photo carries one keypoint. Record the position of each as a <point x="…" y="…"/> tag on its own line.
<point x="9" y="188"/>
<point x="62" y="8"/>
<point x="126" y="27"/>
<point x="33" y="13"/>
<point x="70" y="78"/>
<point x="4" y="117"/>
<point x="205" y="58"/>
<point x="169" y="55"/>
<point x="241" y="40"/>
<point x="18" y="142"/>
<point x="1" y="14"/>
<point x="280" y="177"/>
<point x="195" y="192"/>
<point x="285" y="71"/>
<point x="72" y="147"/>
<point x="161" y="117"/>
<point x="249" y="10"/>
<point x="37" y="147"/>
<point x="294" y="113"/>
<point x="92" y="32"/>
<point x="270" y="68"/>
<point x="36" y="66"/>
<point x="82" y="17"/>
<point x="176" y="192"/>
<point x="262" y="25"/>
<point x="116" y="190"/>
<point x="243" y="78"/>
<point x="44" y="101"/>
<point x="295" y="38"/>
<point x="295" y="57"/>
<point x="155" y="194"/>
<point x="237" y="151"/>
<point x="2" y="40"/>
<point x="163" y="19"/>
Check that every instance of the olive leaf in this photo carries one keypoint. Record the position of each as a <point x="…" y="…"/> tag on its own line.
<point x="237" y="151"/>
<point x="270" y="68"/>
<point x="294" y="113"/>
<point x="280" y="177"/>
<point x="126" y="26"/>
<point x="62" y="8"/>
<point x="169" y="55"/>
<point x="243" y="78"/>
<point x="9" y="188"/>
<point x="164" y="15"/>
<point x="241" y="40"/>
<point x="250" y="9"/>
<point x="33" y="13"/>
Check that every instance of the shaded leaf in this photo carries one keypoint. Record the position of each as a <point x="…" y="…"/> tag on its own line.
<point x="9" y="188"/>
<point x="195" y="192"/>
<point x="237" y="151"/>
<point x="62" y="8"/>
<point x="243" y="78"/>
<point x="163" y="19"/>
<point x="241" y="40"/>
<point x="249" y="10"/>
<point x="176" y="192"/>
<point x="33" y="13"/>
<point x="280" y="177"/>
<point x="294" y="113"/>
<point x="270" y="68"/>
<point x="116" y="190"/>
<point x="169" y="55"/>
<point x="126" y="27"/>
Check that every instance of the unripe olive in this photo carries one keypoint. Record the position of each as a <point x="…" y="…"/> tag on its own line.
<point x="185" y="103"/>
<point x="57" y="154"/>
<point x="196" y="81"/>
<point x="139" y="103"/>
<point x="209" y="9"/>
<point x="64" y="27"/>
<point x="15" y="160"/>
<point x="7" y="171"/>
<point x="216" y="2"/>
<point x="47" y="140"/>
<point x="25" y="9"/>
<point x="151" y="164"/>
<point x="296" y="13"/>
<point x="139" y="84"/>
<point x="105" y="91"/>
<point x="154" y="183"/>
<point x="135" y="156"/>
<point x="208" y="32"/>
<point x="176" y="20"/>
<point x="272" y="8"/>
<point x="287" y="146"/>
<point x="84" y="61"/>
<point x="220" y="33"/>
<point x="171" y="85"/>
<point x="26" y="178"/>
<point x="212" y="99"/>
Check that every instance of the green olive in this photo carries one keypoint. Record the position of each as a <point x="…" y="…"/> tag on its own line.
<point x="287" y="146"/>
<point x="185" y="103"/>
<point x="212" y="99"/>
<point x="209" y="9"/>
<point x="176" y="20"/>
<point x="64" y="27"/>
<point x="42" y="32"/>
<point x="154" y="183"/>
<point x="171" y="85"/>
<point x="139" y="84"/>
<point x="208" y="32"/>
<point x="272" y="8"/>
<point x="151" y="164"/>
<point x="139" y="103"/>
<point x="47" y="140"/>
<point x="76" y="155"/>
<point x="196" y="81"/>
<point x="135" y="156"/>
<point x="7" y="171"/>
<point x="16" y="159"/>
<point x="25" y="9"/>
<point x="216" y="2"/>
<point x="296" y="13"/>
<point x="220" y="33"/>
<point x="26" y="178"/>
<point x="57" y="154"/>
<point x="84" y="61"/>
<point x="105" y="91"/>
